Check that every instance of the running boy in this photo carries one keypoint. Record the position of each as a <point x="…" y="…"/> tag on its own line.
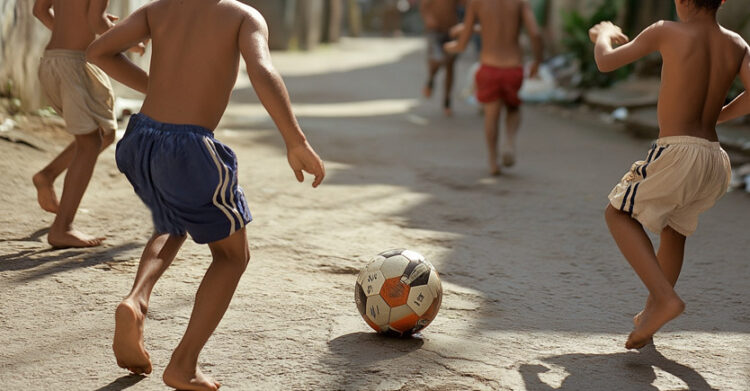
<point x="501" y="74"/>
<point x="439" y="16"/>
<point x="82" y="94"/>
<point x="686" y="171"/>
<point x="184" y="175"/>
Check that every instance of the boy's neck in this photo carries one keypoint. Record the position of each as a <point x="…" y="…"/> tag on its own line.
<point x="702" y="17"/>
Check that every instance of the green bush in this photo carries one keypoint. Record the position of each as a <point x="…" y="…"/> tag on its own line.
<point x="578" y="45"/>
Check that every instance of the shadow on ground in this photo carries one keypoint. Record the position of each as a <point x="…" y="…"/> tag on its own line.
<point x="628" y="371"/>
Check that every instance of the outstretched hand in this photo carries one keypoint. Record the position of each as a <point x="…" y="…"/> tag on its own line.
<point x="610" y="30"/>
<point x="452" y="47"/>
<point x="303" y="158"/>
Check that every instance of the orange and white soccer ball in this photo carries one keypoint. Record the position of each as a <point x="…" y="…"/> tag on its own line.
<point x="398" y="292"/>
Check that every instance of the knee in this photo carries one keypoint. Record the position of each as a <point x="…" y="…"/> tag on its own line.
<point x="89" y="142"/>
<point x="237" y="258"/>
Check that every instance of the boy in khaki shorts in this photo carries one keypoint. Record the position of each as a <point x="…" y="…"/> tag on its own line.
<point x="686" y="171"/>
<point x="82" y="94"/>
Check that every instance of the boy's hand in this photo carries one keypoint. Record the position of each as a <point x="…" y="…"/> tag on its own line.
<point x="610" y="30"/>
<point x="456" y="30"/>
<point x="140" y="48"/>
<point x="452" y="47"/>
<point x="302" y="158"/>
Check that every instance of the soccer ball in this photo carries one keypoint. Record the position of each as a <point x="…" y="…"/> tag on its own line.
<point x="398" y="292"/>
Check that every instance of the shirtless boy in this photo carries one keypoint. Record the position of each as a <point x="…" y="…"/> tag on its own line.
<point x="686" y="171"/>
<point x="501" y="74"/>
<point x="439" y="16"/>
<point x="82" y="94"/>
<point x="184" y="175"/>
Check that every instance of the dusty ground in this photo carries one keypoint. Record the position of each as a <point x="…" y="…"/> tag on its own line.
<point x="536" y="295"/>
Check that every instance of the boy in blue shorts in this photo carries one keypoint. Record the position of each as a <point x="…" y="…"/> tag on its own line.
<point x="184" y="175"/>
<point x="686" y="171"/>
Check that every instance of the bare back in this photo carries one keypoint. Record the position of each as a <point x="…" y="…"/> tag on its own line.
<point x="500" y="22"/>
<point x="71" y="29"/>
<point x="700" y="63"/>
<point x="195" y="60"/>
<point x="441" y="15"/>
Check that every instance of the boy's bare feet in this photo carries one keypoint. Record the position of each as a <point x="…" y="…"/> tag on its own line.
<point x="448" y="112"/>
<point x="188" y="378"/>
<point x="45" y="192"/>
<point x="72" y="238"/>
<point x="509" y="155"/>
<point x="637" y="319"/>
<point x="494" y="169"/>
<point x="652" y="319"/>
<point x="128" y="341"/>
<point x="427" y="90"/>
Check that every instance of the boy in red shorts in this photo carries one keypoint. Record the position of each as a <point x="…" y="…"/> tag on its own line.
<point x="500" y="77"/>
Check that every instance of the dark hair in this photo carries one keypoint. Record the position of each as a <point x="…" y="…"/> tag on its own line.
<point x="711" y="5"/>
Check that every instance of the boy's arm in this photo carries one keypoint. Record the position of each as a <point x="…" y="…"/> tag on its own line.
<point x="605" y="34"/>
<point x="98" y="20"/>
<point x="270" y="88"/>
<point x="741" y="105"/>
<point x="459" y="45"/>
<point x="532" y="28"/>
<point x="106" y="51"/>
<point x="43" y="11"/>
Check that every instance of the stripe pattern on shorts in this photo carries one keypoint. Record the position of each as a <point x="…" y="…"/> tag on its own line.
<point x="228" y="207"/>
<point x="629" y="204"/>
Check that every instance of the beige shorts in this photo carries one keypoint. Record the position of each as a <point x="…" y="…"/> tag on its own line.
<point x="80" y="92"/>
<point x="681" y="178"/>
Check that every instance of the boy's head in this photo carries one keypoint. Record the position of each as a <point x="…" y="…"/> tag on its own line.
<point x="685" y="7"/>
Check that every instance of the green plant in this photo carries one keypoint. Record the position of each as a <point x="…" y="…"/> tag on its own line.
<point x="578" y="45"/>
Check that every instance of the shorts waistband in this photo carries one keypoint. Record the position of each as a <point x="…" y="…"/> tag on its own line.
<point x="142" y="120"/>
<point x="512" y="68"/>
<point x="687" y="140"/>
<point x="77" y="54"/>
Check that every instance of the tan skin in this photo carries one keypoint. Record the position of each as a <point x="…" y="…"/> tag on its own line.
<point x="440" y="16"/>
<point x="74" y="25"/>
<point x="701" y="59"/>
<point x="210" y="36"/>
<point x="500" y="24"/>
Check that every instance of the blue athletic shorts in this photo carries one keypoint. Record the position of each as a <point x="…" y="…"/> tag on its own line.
<point x="185" y="176"/>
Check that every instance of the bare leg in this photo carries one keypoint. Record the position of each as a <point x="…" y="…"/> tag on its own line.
<point x="512" y="122"/>
<point x="671" y="254"/>
<point x="44" y="180"/>
<point x="432" y="69"/>
<point x="491" y="124"/>
<point x="62" y="233"/>
<point x="449" y="67"/>
<point x="231" y="256"/>
<point x="131" y="312"/>
<point x="638" y="250"/>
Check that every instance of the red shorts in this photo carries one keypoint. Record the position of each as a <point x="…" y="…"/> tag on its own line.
<point x="495" y="83"/>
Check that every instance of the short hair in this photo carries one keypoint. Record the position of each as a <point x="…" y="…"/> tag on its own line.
<point x="711" y="5"/>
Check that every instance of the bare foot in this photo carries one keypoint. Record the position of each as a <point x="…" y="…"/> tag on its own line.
<point x="494" y="169"/>
<point x="652" y="319"/>
<point x="72" y="238"/>
<point x="637" y="319"/>
<point x="448" y="112"/>
<point x="509" y="156"/>
<point x="128" y="341"/>
<point x="192" y="379"/>
<point x="45" y="193"/>
<point x="427" y="91"/>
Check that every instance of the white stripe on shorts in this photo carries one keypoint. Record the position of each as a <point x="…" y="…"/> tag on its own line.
<point x="223" y="180"/>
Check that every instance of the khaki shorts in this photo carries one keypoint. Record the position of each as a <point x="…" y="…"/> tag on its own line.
<point x="681" y="178"/>
<point x="80" y="92"/>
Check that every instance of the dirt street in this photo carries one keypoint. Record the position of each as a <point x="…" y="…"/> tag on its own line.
<point x="536" y="295"/>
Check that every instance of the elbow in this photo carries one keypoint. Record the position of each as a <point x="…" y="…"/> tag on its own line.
<point x="92" y="55"/>
<point x="603" y="66"/>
